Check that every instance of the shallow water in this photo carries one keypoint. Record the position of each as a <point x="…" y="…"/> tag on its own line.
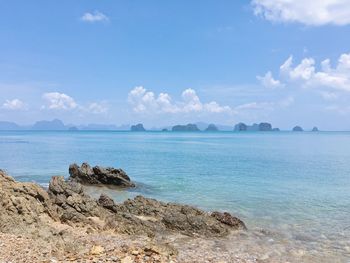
<point x="296" y="185"/>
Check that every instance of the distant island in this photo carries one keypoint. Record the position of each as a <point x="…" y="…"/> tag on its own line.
<point x="137" y="127"/>
<point x="297" y="129"/>
<point x="263" y="126"/>
<point x="58" y="125"/>
<point x="212" y="127"/>
<point x="188" y="127"/>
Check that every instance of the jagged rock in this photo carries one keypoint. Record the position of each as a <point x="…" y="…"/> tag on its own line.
<point x="182" y="218"/>
<point x="99" y="175"/>
<point x="137" y="127"/>
<point x="107" y="202"/>
<point x="228" y="219"/>
<point x="189" y="127"/>
<point x="26" y="206"/>
<point x="74" y="206"/>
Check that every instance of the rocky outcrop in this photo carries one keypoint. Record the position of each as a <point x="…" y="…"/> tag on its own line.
<point x="315" y="129"/>
<point x="137" y="127"/>
<point x="27" y="207"/>
<point x="180" y="218"/>
<point x="211" y="127"/>
<point x="188" y="128"/>
<point x="99" y="175"/>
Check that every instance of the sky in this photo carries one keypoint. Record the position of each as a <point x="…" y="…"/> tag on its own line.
<point x="170" y="62"/>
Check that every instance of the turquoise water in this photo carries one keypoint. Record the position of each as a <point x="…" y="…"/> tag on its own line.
<point x="297" y="184"/>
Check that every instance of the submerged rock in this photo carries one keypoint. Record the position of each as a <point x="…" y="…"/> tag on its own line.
<point x="228" y="219"/>
<point x="99" y="175"/>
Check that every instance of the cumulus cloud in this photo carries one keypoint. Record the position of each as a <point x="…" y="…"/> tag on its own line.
<point x="269" y="82"/>
<point x="64" y="102"/>
<point x="143" y="101"/>
<point x="308" y="74"/>
<point x="58" y="101"/>
<point x="93" y="17"/>
<point x="314" y="12"/>
<point x="14" y="104"/>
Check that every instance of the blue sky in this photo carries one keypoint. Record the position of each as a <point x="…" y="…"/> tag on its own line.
<point x="167" y="62"/>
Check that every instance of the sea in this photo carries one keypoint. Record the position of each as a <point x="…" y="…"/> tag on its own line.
<point x="292" y="186"/>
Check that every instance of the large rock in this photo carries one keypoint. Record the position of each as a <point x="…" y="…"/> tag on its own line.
<point x="180" y="218"/>
<point x="99" y="175"/>
<point x="24" y="207"/>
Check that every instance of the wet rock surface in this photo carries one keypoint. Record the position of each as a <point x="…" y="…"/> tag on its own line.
<point x="99" y="175"/>
<point x="228" y="219"/>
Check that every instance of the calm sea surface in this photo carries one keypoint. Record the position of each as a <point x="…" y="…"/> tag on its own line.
<point x="296" y="184"/>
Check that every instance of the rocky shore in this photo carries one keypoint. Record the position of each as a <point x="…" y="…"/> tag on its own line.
<point x="64" y="224"/>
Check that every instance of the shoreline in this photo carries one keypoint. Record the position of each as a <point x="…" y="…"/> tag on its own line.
<point x="66" y="218"/>
<point x="37" y="237"/>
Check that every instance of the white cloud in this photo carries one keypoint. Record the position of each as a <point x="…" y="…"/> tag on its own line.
<point x="143" y="101"/>
<point x="265" y="106"/>
<point x="269" y="82"/>
<point x="306" y="74"/>
<point x="14" y="104"/>
<point x="308" y="12"/>
<point x="255" y="106"/>
<point x="58" y="101"/>
<point x="97" y="108"/>
<point x="93" y="17"/>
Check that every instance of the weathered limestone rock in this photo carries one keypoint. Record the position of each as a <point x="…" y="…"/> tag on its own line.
<point x="99" y="175"/>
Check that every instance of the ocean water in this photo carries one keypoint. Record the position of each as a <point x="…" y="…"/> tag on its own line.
<point x="295" y="185"/>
